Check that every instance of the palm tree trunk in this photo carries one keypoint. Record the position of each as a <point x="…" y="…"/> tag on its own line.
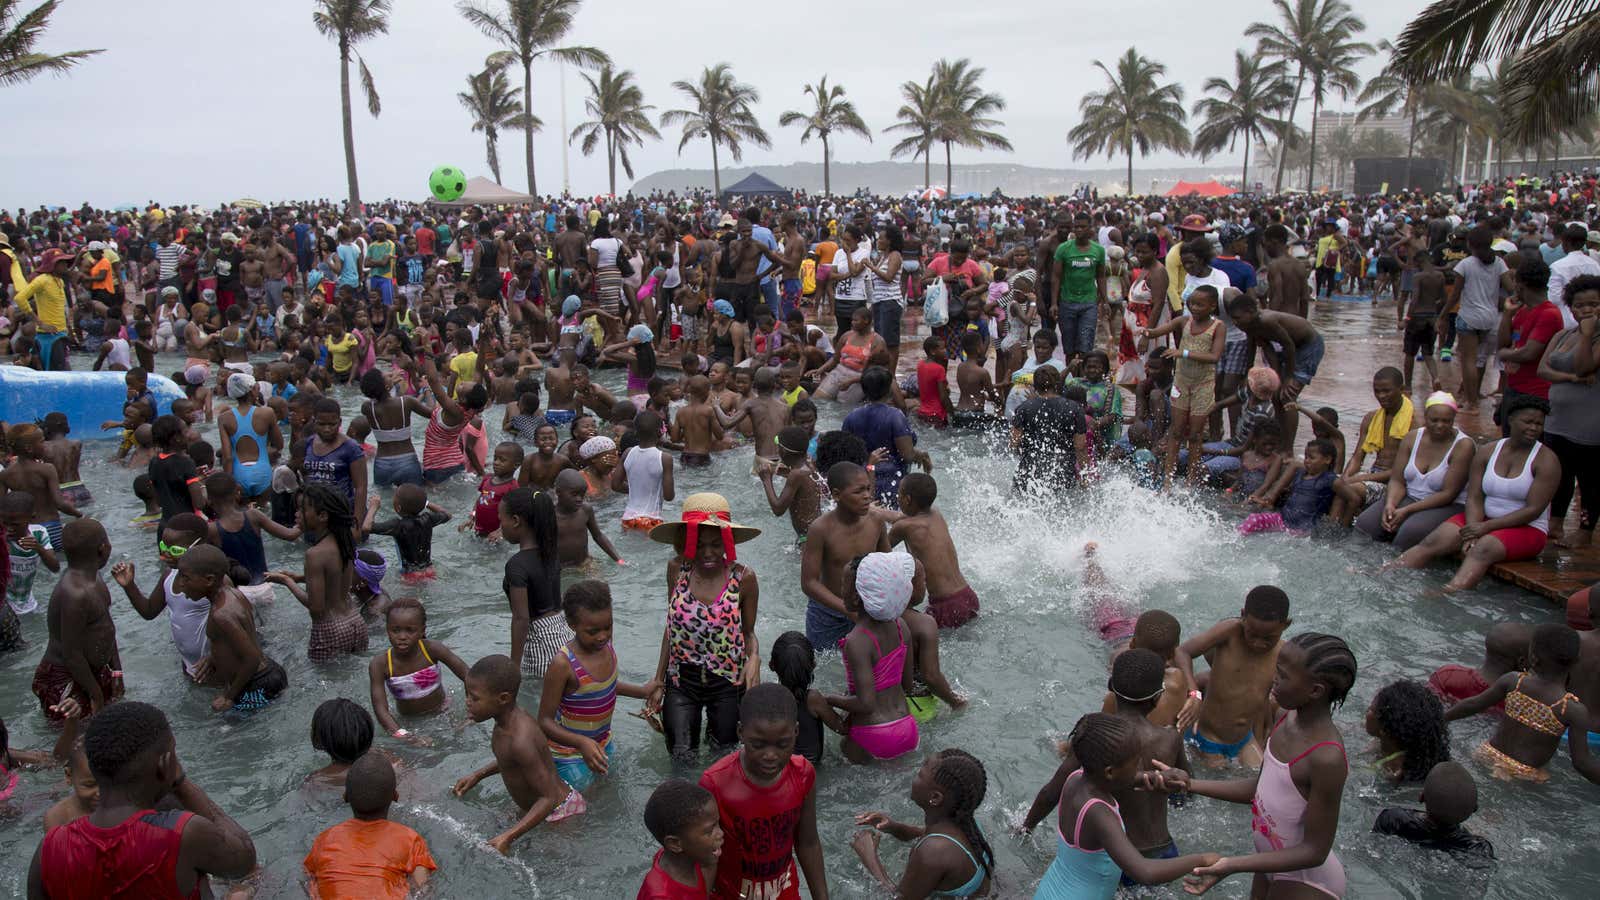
<point x="611" y="162"/>
<point x="716" y="170"/>
<point x="349" y="129"/>
<point x="1130" y="168"/>
<point x="1411" y="144"/>
<point x="1311" y="165"/>
<point x="1288" y="135"/>
<point x="1244" y="177"/>
<point x="927" y="167"/>
<point x="527" y="127"/>
<point x="827" y="182"/>
<point x="948" y="184"/>
<point x="494" y="155"/>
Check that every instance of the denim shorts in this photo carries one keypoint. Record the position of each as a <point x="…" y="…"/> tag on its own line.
<point x="1307" y="358"/>
<point x="824" y="627"/>
<point x="395" y="470"/>
<point x="440" y="476"/>
<point x="886" y="316"/>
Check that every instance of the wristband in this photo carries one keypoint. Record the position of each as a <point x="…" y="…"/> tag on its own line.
<point x="401" y="732"/>
<point x="1195" y="695"/>
<point x="1186" y="354"/>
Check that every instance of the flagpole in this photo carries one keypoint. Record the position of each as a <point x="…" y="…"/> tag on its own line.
<point x="566" y="183"/>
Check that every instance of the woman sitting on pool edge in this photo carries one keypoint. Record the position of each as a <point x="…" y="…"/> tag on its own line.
<point x="1508" y="502"/>
<point x="1419" y="498"/>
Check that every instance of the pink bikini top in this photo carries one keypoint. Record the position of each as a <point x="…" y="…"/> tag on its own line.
<point x="890" y="667"/>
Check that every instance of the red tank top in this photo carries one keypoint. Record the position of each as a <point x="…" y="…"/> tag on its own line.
<point x="136" y="859"/>
<point x="758" y="824"/>
<point x="441" y="444"/>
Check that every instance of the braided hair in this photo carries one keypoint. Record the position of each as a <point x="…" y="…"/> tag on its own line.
<point x="1101" y="741"/>
<point x="1331" y="661"/>
<point x="332" y="503"/>
<point x="964" y="779"/>
<point x="1413" y="718"/>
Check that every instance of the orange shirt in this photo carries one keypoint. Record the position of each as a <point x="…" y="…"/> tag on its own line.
<point x="100" y="277"/>
<point x="825" y="253"/>
<point x="360" y="858"/>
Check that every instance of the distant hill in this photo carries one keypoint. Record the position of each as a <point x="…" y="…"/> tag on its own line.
<point x="899" y="177"/>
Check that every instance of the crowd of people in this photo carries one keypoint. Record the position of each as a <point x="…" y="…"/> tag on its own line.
<point x="1045" y="318"/>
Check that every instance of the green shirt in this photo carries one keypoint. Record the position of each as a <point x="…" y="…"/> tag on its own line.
<point x="1080" y="271"/>
<point x="380" y="259"/>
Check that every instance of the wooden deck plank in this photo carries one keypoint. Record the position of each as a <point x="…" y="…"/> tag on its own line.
<point x="1556" y="574"/>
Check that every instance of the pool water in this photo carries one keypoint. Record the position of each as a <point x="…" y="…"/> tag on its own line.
<point x="1029" y="664"/>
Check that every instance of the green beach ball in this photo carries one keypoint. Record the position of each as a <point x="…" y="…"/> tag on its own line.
<point x="447" y="183"/>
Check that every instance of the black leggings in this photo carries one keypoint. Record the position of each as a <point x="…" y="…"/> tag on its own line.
<point x="1325" y="279"/>
<point x="1580" y="465"/>
<point x="698" y="694"/>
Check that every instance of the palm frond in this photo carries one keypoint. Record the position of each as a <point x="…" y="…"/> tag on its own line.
<point x="19" y="61"/>
<point x="369" y="89"/>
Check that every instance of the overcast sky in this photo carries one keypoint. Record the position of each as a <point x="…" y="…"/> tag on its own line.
<point x="211" y="100"/>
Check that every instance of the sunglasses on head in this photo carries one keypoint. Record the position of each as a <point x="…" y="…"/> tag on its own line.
<point x="174" y="551"/>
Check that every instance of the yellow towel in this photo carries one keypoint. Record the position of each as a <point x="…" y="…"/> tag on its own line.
<point x="1399" y="425"/>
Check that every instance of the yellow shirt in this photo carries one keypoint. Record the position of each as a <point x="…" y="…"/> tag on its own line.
<point x="465" y="365"/>
<point x="1176" y="278"/>
<point x="49" y="298"/>
<point x="1328" y="245"/>
<point x="342" y="352"/>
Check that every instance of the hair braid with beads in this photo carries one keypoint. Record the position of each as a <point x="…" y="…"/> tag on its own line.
<point x="963" y="777"/>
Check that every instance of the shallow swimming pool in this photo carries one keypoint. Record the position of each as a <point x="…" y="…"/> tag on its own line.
<point x="1029" y="664"/>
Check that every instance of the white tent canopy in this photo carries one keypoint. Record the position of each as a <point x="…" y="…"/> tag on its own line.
<point x="483" y="192"/>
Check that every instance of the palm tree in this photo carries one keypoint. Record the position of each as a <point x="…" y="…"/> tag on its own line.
<point x="1245" y="109"/>
<point x="1333" y="70"/>
<point x="19" y="32"/>
<point x="1134" y="110"/>
<point x="349" y="22"/>
<point x="618" y="108"/>
<point x="1554" y="45"/>
<point x="1304" y="26"/>
<point x="495" y="104"/>
<point x="832" y="113"/>
<point x="963" y="111"/>
<point x="530" y="29"/>
<point x="916" y="116"/>
<point x="721" y="113"/>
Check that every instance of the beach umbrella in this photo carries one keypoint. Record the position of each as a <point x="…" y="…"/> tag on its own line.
<point x="248" y="203"/>
<point x="933" y="193"/>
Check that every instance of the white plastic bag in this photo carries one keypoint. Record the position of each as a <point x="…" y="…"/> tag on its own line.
<point x="936" y="304"/>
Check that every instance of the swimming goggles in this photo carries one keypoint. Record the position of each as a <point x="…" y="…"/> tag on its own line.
<point x="174" y="551"/>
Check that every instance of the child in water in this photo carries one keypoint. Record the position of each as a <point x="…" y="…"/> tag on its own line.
<point x="411" y="669"/>
<point x="1295" y="797"/>
<point x="343" y="730"/>
<point x="581" y="688"/>
<point x="949" y="787"/>
<point x="794" y="662"/>
<point x="682" y="817"/>
<point x="803" y="488"/>
<point x="1408" y="721"/>
<point x="1310" y="494"/>
<point x="1539" y="711"/>
<point x="521" y="752"/>
<point x="1505" y="649"/>
<point x="951" y="600"/>
<point x="877" y="680"/>
<point x="367" y="855"/>
<point x="767" y="801"/>
<point x="1110" y="753"/>
<point x="412" y="529"/>
<point x="1450" y="797"/>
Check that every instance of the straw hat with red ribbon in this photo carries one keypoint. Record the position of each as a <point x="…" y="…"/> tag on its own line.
<point x="703" y="509"/>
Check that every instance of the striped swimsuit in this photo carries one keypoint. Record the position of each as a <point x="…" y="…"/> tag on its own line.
<point x="585" y="712"/>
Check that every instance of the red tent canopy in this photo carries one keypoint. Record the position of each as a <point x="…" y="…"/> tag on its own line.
<point x="1203" y="188"/>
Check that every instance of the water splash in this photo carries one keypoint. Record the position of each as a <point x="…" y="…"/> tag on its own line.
<point x="470" y="837"/>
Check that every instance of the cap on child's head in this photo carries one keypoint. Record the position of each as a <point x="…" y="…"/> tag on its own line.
<point x="673" y="806"/>
<point x="342" y="729"/>
<point x="369" y="786"/>
<point x="1138" y="675"/>
<point x="1267" y="603"/>
<point x="1157" y="630"/>
<point x="1450" y="793"/>
<point x="767" y="703"/>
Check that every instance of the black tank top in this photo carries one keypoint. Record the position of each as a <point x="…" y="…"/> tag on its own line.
<point x="808" y="742"/>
